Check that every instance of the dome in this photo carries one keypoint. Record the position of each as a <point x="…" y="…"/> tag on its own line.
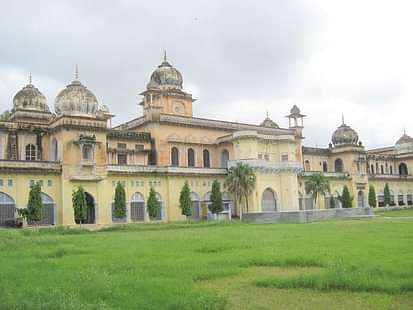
<point x="30" y="98"/>
<point x="165" y="77"/>
<point x="76" y="99"/>
<point x="268" y="122"/>
<point x="295" y="110"/>
<point x="404" y="139"/>
<point x="344" y="135"/>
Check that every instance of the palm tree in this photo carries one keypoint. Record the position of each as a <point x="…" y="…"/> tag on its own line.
<point x="240" y="182"/>
<point x="316" y="185"/>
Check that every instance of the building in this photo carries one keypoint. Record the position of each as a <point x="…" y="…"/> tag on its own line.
<point x="166" y="146"/>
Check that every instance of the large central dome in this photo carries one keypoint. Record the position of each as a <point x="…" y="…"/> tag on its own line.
<point x="165" y="77"/>
<point x="344" y="135"/>
<point x="76" y="99"/>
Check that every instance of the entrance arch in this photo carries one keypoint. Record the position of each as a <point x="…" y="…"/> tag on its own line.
<point x="137" y="207"/>
<point x="268" y="201"/>
<point x="47" y="212"/>
<point x="7" y="208"/>
<point x="90" y="212"/>
<point x="360" y="199"/>
<point x="196" y="206"/>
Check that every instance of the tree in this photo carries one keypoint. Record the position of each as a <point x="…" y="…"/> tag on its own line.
<point x="119" y="209"/>
<point x="316" y="185"/>
<point x="387" y="195"/>
<point x="240" y="183"/>
<point x="372" y="197"/>
<point x="185" y="201"/>
<point x="79" y="205"/>
<point x="5" y="115"/>
<point x="333" y="202"/>
<point x="216" y="198"/>
<point x="35" y="205"/>
<point x="152" y="205"/>
<point x="346" y="199"/>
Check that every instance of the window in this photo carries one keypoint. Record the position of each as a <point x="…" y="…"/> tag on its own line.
<point x="403" y="169"/>
<point x="10" y="182"/>
<point x="372" y="169"/>
<point x="307" y="166"/>
<point x="122" y="146"/>
<point x="174" y="157"/>
<point x="122" y="159"/>
<point x="54" y="151"/>
<point x="1" y="182"/>
<point x="381" y="169"/>
<point x="284" y="157"/>
<point x="224" y="158"/>
<point x="338" y="165"/>
<point x="325" y="167"/>
<point x="49" y="183"/>
<point x="139" y="147"/>
<point x="87" y="152"/>
<point x="30" y="152"/>
<point x="207" y="163"/>
<point x="191" y="158"/>
<point x="391" y="169"/>
<point x="266" y="157"/>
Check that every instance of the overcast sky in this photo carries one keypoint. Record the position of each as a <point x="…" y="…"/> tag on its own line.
<point x="238" y="58"/>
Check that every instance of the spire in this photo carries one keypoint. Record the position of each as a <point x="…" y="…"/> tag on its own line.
<point x="342" y="118"/>
<point x="164" y="56"/>
<point x="77" y="73"/>
<point x="30" y="78"/>
<point x="267" y="114"/>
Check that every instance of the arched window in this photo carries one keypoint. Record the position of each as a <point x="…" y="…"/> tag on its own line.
<point x="338" y="165"/>
<point x="174" y="157"/>
<point x="391" y="169"/>
<point x="372" y="169"/>
<point x="360" y="199"/>
<point x="137" y="207"/>
<point x="196" y="206"/>
<point x="377" y="168"/>
<point x="191" y="158"/>
<point x="325" y="167"/>
<point x="30" y="152"/>
<point x="54" y="155"/>
<point x="400" y="199"/>
<point x="403" y="169"/>
<point x="381" y="169"/>
<point x="224" y="158"/>
<point x="7" y="208"/>
<point x="268" y="201"/>
<point x="207" y="163"/>
<point x="307" y="166"/>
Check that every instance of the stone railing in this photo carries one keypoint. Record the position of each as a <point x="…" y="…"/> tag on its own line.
<point x="391" y="176"/>
<point x="132" y="169"/>
<point x="339" y="175"/>
<point x="269" y="166"/>
<point x="25" y="165"/>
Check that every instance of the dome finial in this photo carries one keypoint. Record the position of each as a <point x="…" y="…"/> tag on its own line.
<point x="30" y="78"/>
<point x="342" y="118"/>
<point x="77" y="72"/>
<point x="267" y="114"/>
<point x="164" y="56"/>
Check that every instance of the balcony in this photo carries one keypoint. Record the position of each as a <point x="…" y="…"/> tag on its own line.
<point x="135" y="169"/>
<point x="30" y="166"/>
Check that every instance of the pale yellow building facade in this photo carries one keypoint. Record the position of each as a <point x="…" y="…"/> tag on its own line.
<point x="166" y="146"/>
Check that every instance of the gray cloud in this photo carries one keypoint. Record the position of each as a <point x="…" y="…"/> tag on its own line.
<point x="239" y="58"/>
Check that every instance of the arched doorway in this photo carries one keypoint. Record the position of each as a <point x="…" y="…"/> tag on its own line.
<point x="90" y="213"/>
<point x="360" y="199"/>
<point x="196" y="206"/>
<point x="47" y="213"/>
<point x="268" y="201"/>
<point x="7" y="208"/>
<point x="137" y="207"/>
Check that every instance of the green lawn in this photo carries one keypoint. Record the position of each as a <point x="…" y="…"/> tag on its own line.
<point x="351" y="264"/>
<point x="394" y="212"/>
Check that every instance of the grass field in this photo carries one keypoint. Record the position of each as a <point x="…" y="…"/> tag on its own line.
<point x="347" y="264"/>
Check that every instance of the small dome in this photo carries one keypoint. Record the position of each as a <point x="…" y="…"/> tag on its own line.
<point x="76" y="99"/>
<point x="344" y="135"/>
<point x="268" y="122"/>
<point x="404" y="139"/>
<point x="30" y="98"/>
<point x="165" y="77"/>
<point x="295" y="110"/>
